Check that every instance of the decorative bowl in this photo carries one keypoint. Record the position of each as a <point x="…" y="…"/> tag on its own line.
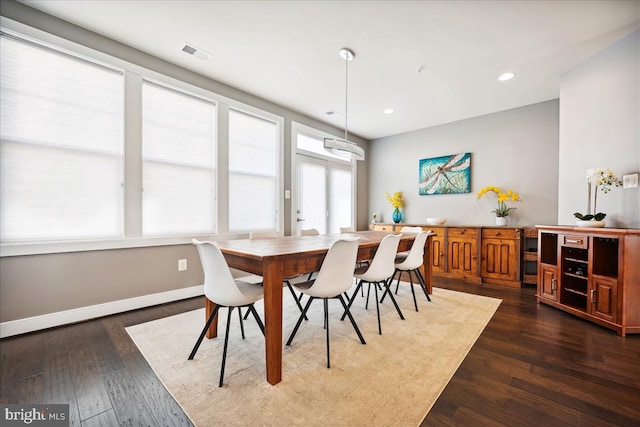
<point x="436" y="221"/>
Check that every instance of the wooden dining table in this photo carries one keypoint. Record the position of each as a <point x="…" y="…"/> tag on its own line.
<point x="275" y="259"/>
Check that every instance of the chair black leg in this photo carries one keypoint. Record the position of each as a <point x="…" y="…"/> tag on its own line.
<point x="399" y="277"/>
<point x="423" y="284"/>
<point x="300" y="319"/>
<point x="353" y="297"/>
<point x="241" y="323"/>
<point x="326" y="323"/>
<point x="293" y="293"/>
<point x="353" y="322"/>
<point x="393" y="300"/>
<point x="253" y="311"/>
<point x="413" y="292"/>
<point x="224" y="351"/>
<point x="366" y="306"/>
<point x="204" y="332"/>
<point x="378" y="308"/>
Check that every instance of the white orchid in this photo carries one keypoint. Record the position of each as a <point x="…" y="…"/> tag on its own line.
<point x="604" y="179"/>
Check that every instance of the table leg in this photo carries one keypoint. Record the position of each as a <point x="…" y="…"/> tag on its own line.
<point x="426" y="266"/>
<point x="272" y="282"/>
<point x="209" y="306"/>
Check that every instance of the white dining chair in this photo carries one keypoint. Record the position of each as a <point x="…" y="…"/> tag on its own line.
<point x="334" y="278"/>
<point x="379" y="272"/>
<point x="411" y="265"/>
<point x="222" y="289"/>
<point x="407" y="229"/>
<point x="309" y="232"/>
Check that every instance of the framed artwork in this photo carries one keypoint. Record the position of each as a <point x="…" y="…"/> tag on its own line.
<point x="445" y="175"/>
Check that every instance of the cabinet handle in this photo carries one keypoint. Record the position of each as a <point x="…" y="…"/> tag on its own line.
<point x="498" y="233"/>
<point x="576" y="241"/>
<point x="554" y="284"/>
<point x="441" y="253"/>
<point x="593" y="296"/>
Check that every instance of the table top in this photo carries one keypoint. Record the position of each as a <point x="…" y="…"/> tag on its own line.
<point x="287" y="245"/>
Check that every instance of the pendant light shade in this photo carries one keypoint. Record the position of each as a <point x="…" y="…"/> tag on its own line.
<point x="343" y="145"/>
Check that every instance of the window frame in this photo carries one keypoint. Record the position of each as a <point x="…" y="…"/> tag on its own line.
<point x="302" y="129"/>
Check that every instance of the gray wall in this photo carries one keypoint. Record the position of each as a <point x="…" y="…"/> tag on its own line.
<point x="515" y="149"/>
<point x="41" y="284"/>
<point x="600" y="127"/>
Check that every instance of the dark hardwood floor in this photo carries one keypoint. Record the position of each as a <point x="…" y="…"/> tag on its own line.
<point x="533" y="365"/>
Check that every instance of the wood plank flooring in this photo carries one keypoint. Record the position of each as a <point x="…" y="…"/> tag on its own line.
<point x="533" y="365"/>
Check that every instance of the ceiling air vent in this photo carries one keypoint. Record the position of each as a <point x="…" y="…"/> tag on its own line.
<point x="197" y="52"/>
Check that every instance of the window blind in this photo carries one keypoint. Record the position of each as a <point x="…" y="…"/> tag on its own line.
<point x="253" y="194"/>
<point x="61" y="145"/>
<point x="178" y="150"/>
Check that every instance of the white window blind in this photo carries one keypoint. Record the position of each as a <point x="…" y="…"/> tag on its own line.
<point x="61" y="136"/>
<point x="178" y="150"/>
<point x="253" y="193"/>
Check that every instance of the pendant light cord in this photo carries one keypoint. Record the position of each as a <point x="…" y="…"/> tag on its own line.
<point x="346" y="93"/>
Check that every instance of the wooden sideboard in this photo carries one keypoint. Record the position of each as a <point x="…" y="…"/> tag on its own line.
<point x="592" y="273"/>
<point x="476" y="254"/>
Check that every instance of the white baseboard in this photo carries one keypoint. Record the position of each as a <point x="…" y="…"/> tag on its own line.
<point x="36" y="323"/>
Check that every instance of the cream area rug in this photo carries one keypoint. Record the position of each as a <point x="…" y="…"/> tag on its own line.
<point x="393" y="380"/>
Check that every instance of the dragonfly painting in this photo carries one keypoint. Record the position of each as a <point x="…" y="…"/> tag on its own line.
<point x="445" y="175"/>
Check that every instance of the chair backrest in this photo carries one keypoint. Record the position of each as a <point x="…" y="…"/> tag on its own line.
<point x="383" y="263"/>
<point x="415" y="257"/>
<point x="219" y="285"/>
<point x="347" y="230"/>
<point x="309" y="232"/>
<point x="336" y="272"/>
<point x="262" y="235"/>
<point x="408" y="229"/>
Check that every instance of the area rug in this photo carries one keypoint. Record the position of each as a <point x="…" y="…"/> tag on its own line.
<point x="393" y="380"/>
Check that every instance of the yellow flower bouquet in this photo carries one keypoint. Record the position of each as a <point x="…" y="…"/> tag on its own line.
<point x="396" y="200"/>
<point x="502" y="210"/>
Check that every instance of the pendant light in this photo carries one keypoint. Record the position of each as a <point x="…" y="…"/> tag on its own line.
<point x="337" y="144"/>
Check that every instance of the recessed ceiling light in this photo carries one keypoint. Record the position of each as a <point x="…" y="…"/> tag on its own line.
<point x="506" y="76"/>
<point x="388" y="111"/>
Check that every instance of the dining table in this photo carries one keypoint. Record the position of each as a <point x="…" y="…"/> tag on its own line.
<point x="277" y="258"/>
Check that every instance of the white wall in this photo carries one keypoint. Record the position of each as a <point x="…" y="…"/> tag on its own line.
<point x="600" y="127"/>
<point x="515" y="149"/>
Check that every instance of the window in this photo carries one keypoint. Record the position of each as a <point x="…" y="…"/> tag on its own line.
<point x="253" y="184"/>
<point x="178" y="151"/>
<point x="61" y="139"/>
<point x="324" y="184"/>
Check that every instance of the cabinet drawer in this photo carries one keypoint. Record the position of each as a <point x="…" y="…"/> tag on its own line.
<point x="492" y="233"/>
<point x="575" y="241"/>
<point x="381" y="227"/>
<point x="462" y="232"/>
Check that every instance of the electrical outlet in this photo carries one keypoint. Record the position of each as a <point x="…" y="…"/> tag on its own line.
<point x="182" y="264"/>
<point x="630" y="181"/>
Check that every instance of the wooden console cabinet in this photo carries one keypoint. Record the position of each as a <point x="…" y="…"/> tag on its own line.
<point x="474" y="254"/>
<point x="593" y="273"/>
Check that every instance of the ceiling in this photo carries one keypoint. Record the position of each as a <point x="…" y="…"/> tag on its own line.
<point x="432" y="62"/>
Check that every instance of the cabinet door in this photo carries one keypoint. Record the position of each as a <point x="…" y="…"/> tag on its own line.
<point x="462" y="252"/>
<point x="499" y="259"/>
<point x="604" y="298"/>
<point x="438" y="251"/>
<point x="548" y="282"/>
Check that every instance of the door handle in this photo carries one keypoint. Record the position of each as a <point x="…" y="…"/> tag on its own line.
<point x="593" y="296"/>
<point x="300" y="219"/>
<point x="554" y="285"/>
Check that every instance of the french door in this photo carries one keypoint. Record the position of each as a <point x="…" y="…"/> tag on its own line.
<point x="323" y="196"/>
